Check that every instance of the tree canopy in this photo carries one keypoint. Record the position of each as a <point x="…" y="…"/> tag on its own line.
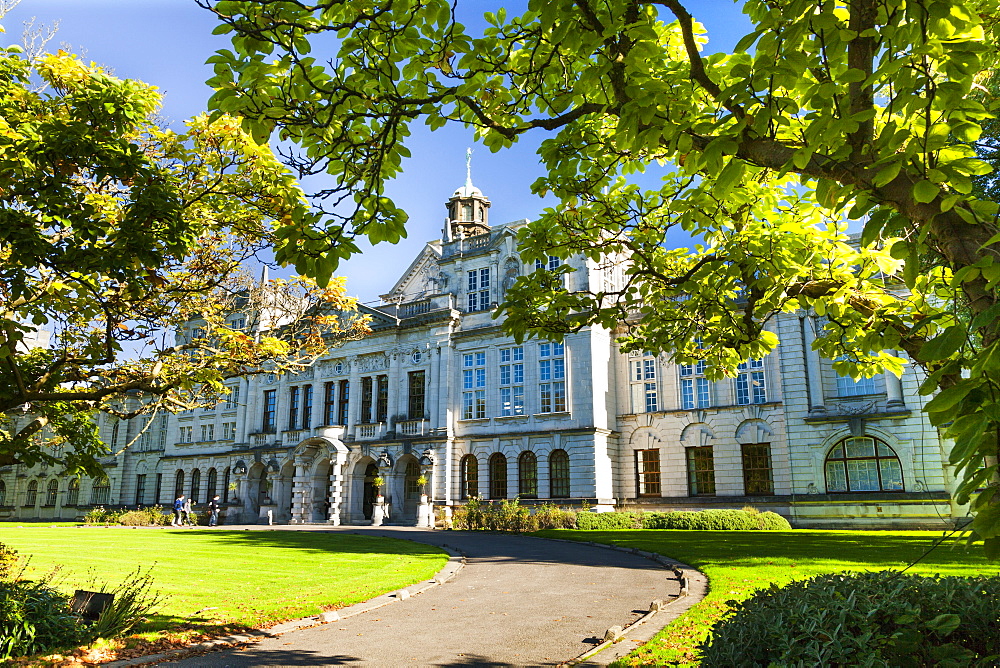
<point x="827" y="112"/>
<point x="127" y="245"/>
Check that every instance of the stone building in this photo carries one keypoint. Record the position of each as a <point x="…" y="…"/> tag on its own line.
<point x="438" y="392"/>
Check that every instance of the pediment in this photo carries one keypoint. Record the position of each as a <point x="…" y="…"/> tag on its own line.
<point x="421" y="278"/>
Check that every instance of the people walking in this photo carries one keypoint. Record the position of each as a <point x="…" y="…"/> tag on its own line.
<point x="178" y="509"/>
<point x="186" y="510"/>
<point x="213" y="507"/>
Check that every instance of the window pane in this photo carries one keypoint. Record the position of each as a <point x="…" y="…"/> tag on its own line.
<point x="863" y="475"/>
<point x="860" y="447"/>
<point x="836" y="480"/>
<point x="892" y="475"/>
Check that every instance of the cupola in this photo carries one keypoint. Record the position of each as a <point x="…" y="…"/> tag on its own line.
<point x="468" y="208"/>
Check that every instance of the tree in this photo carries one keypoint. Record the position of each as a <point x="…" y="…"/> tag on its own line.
<point x="127" y="244"/>
<point x="827" y="112"/>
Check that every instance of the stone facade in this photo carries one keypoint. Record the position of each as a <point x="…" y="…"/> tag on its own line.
<point x="437" y="391"/>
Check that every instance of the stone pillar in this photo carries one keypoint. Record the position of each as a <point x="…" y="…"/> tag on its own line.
<point x="817" y="402"/>
<point x="319" y="397"/>
<point x="354" y="396"/>
<point x="392" y="408"/>
<point x="301" y="492"/>
<point x="337" y="486"/>
<point x="893" y="389"/>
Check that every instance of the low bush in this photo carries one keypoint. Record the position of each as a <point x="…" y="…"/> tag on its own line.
<point x="34" y="617"/>
<point x="862" y="619"/>
<point x="748" y="519"/>
<point x="151" y="516"/>
<point x="510" y="516"/>
<point x="608" y="521"/>
<point x="8" y="562"/>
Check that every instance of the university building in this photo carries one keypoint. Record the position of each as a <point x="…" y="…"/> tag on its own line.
<point x="438" y="392"/>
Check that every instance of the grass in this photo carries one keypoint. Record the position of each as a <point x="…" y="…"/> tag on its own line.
<point x="213" y="577"/>
<point x="740" y="562"/>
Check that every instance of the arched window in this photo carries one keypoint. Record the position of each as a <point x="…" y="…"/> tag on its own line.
<point x="527" y="475"/>
<point x="31" y="494"/>
<point x="100" y="491"/>
<point x="3" y="493"/>
<point x="195" y="485"/>
<point x="73" y="492"/>
<point x="498" y="476"/>
<point x="469" y="477"/>
<point x="178" y="483"/>
<point x="559" y="474"/>
<point x="863" y="464"/>
<point x="51" y="493"/>
<point x="213" y="481"/>
<point x="225" y="485"/>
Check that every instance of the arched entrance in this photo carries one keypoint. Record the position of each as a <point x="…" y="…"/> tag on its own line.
<point x="322" y="484"/>
<point x="408" y="494"/>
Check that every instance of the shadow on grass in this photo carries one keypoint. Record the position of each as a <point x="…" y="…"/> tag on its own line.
<point x="749" y="548"/>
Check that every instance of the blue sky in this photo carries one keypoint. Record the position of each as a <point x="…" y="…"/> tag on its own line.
<point x="166" y="43"/>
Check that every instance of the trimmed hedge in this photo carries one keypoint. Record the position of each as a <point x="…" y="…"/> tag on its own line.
<point x="863" y="619"/>
<point x="688" y="520"/>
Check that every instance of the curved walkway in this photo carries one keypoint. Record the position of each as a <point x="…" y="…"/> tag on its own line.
<point x="518" y="601"/>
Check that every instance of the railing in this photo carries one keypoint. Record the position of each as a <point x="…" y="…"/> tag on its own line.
<point x="414" y="308"/>
<point x="412" y="427"/>
<point x="262" y="439"/>
<point x="295" y="436"/>
<point x="478" y="241"/>
<point x="369" y="432"/>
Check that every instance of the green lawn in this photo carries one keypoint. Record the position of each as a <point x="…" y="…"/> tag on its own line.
<point x="241" y="577"/>
<point x="739" y="562"/>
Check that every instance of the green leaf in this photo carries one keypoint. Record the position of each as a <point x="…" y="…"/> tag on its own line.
<point x="944" y="345"/>
<point x="924" y="191"/>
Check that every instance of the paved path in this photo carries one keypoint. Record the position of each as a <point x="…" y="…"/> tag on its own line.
<point x="519" y="601"/>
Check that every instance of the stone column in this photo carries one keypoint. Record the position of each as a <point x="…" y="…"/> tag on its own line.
<point x="337" y="486"/>
<point x="392" y="407"/>
<point x="893" y="389"/>
<point x="300" y="492"/>
<point x="354" y="396"/>
<point x="817" y="402"/>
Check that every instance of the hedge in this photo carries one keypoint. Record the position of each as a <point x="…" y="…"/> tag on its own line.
<point x="863" y="619"/>
<point x="702" y="520"/>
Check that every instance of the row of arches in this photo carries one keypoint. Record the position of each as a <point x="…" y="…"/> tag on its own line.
<point x="527" y="475"/>
<point x="100" y="492"/>
<point x="191" y="485"/>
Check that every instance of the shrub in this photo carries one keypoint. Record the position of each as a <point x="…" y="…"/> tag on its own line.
<point x="34" y="617"/>
<point x="506" y="516"/>
<point x="133" y="600"/>
<point x="687" y="520"/>
<point x="8" y="562"/>
<point x="152" y="516"/>
<point x="551" y="516"/>
<point x="862" y="619"/>
<point x="608" y="521"/>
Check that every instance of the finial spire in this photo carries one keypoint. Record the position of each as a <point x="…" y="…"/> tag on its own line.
<point x="468" y="169"/>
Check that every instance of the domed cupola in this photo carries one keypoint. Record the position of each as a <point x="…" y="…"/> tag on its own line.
<point x="468" y="208"/>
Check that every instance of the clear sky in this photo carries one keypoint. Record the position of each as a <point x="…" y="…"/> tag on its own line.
<point x="166" y="43"/>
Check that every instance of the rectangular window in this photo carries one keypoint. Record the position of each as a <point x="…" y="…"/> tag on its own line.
<point x="293" y="408"/>
<point x="511" y="381"/>
<point x="474" y="378"/>
<point x="270" y="406"/>
<point x="140" y="489"/>
<point x="643" y="387"/>
<point x="228" y="431"/>
<point x="415" y="395"/>
<point x="848" y="387"/>
<point x="478" y="289"/>
<point x="382" y="399"/>
<point x="701" y="471"/>
<point x="551" y="264"/>
<point x="757" y="468"/>
<point x="694" y="386"/>
<point x="330" y="403"/>
<point x="750" y="387"/>
<point x="647" y="470"/>
<point x="233" y="398"/>
<point x="208" y="432"/>
<point x="366" y="400"/>
<point x="552" y="374"/>
<point x="161" y="439"/>
<point x="307" y="406"/>
<point x="344" y="400"/>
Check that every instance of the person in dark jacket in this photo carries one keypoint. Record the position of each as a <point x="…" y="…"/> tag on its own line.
<point x="213" y="507"/>
<point x="178" y="509"/>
